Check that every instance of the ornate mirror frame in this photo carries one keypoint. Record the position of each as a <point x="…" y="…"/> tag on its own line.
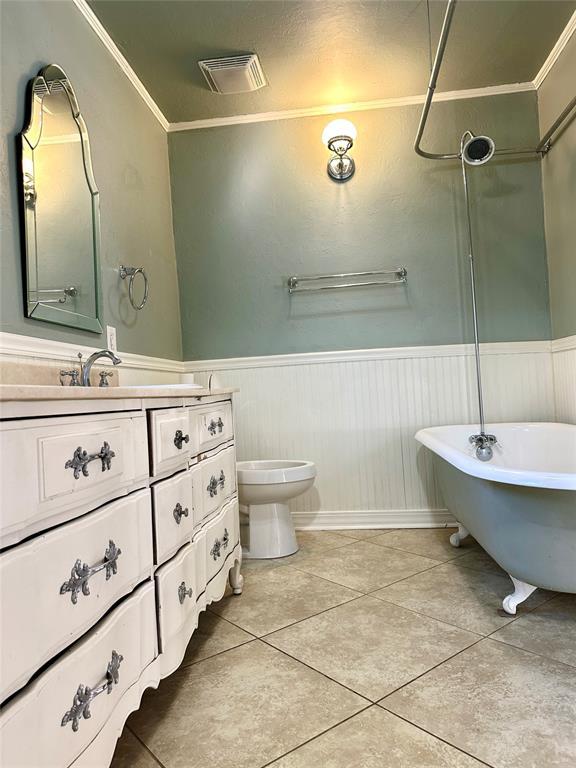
<point x="49" y="80"/>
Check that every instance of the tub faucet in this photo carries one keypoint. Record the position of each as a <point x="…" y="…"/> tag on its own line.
<point x="483" y="443"/>
<point x="86" y="367"/>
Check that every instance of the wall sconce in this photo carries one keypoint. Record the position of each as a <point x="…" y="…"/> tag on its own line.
<point x="339" y="137"/>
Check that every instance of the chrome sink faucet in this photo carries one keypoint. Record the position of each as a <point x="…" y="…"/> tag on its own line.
<point x="86" y="368"/>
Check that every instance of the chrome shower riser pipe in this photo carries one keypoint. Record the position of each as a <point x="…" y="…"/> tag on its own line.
<point x="482" y="441"/>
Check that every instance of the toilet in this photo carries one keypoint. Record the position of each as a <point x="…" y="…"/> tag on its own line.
<point x="264" y="488"/>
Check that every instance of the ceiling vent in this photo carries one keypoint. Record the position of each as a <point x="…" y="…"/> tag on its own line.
<point x="233" y="74"/>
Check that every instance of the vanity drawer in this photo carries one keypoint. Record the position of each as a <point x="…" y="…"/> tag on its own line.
<point x="214" y="425"/>
<point x="59" y="584"/>
<point x="175" y="510"/>
<point x="179" y="584"/>
<point x="36" y="727"/>
<point x="174" y="439"/>
<point x="218" y="480"/>
<point x="56" y="468"/>
<point x="221" y="537"/>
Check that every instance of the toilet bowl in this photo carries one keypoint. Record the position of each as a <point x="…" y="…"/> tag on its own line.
<point x="264" y="488"/>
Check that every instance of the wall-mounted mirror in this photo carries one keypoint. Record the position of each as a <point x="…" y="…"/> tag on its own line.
<point x="60" y="208"/>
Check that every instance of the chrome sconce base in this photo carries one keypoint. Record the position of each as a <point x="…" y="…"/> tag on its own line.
<point x="341" y="167"/>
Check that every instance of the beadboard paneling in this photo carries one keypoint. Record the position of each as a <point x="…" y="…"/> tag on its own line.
<point x="564" y="363"/>
<point x="357" y="418"/>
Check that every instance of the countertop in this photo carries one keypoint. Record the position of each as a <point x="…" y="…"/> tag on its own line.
<point x="20" y="392"/>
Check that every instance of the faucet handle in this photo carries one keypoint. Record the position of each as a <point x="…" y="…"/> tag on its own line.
<point x="74" y="382"/>
<point x="104" y="376"/>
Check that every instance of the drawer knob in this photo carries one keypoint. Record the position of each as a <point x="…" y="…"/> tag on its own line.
<point x="212" y="486"/>
<point x="81" y="572"/>
<point x="180" y="512"/>
<point x="81" y="458"/>
<point x="183" y="593"/>
<point x="180" y="438"/>
<point x="215" y="425"/>
<point x="85" y="695"/>
<point x="220" y="544"/>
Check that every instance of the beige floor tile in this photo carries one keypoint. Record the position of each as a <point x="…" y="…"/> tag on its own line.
<point x="213" y="635"/>
<point x="309" y="542"/>
<point x="376" y="739"/>
<point x="461" y="596"/>
<point x="503" y="705"/>
<point x="364" y="533"/>
<point x="549" y="630"/>
<point x="241" y="709"/>
<point x="370" y="646"/>
<point x="364" y="566"/>
<point x="275" y="598"/>
<point x="131" y="754"/>
<point x="430" y="542"/>
<point x="479" y="560"/>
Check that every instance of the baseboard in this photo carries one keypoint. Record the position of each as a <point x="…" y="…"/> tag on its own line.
<point x="340" y="520"/>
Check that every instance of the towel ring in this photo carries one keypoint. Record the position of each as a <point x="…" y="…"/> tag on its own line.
<point x="131" y="272"/>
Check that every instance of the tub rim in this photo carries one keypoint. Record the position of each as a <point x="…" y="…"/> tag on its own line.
<point x="429" y="437"/>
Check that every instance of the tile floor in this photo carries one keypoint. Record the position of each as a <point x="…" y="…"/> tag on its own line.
<point x="368" y="649"/>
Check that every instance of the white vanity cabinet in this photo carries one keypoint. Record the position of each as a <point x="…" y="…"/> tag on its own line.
<point x="119" y="525"/>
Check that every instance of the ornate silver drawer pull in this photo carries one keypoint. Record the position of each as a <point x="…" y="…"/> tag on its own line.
<point x="81" y="572"/>
<point x="180" y="512"/>
<point x="215" y="425"/>
<point x="79" y="462"/>
<point x="85" y="695"/>
<point x="183" y="593"/>
<point x="212" y="486"/>
<point x="180" y="438"/>
<point x="220" y="544"/>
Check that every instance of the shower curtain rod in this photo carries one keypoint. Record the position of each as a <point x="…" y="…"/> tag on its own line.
<point x="543" y="145"/>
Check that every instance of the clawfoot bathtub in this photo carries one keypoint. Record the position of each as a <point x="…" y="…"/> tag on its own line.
<point x="520" y="506"/>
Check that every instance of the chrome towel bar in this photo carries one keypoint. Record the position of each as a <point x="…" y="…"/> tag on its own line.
<point x="400" y="276"/>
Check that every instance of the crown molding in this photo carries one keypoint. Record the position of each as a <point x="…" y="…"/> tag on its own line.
<point x="357" y="106"/>
<point x="290" y="114"/>
<point x="115" y="52"/>
<point x="554" y="54"/>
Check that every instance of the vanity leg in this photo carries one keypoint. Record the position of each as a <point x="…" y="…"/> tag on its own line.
<point x="521" y="592"/>
<point x="235" y="577"/>
<point x="459" y="536"/>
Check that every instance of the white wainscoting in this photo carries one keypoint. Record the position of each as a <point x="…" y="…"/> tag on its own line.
<point x="564" y="364"/>
<point x="355" y="415"/>
<point x="49" y="356"/>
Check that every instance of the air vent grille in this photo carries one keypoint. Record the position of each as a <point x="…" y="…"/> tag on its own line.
<point x="233" y="74"/>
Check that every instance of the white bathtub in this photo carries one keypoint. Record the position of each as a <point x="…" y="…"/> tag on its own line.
<point x="520" y="506"/>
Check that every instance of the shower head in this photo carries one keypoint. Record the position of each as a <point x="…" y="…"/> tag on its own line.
<point x="478" y="150"/>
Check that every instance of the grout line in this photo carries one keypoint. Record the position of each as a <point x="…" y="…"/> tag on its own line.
<point x="449" y="658"/>
<point x="146" y="747"/>
<point x="218" y="653"/>
<point x="433" y="618"/>
<point x="317" y="671"/>
<point x="317" y="736"/>
<point x="435" y="736"/>
<point x="312" y="616"/>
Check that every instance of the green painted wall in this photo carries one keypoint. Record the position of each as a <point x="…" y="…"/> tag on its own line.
<point x="559" y="185"/>
<point x="253" y="204"/>
<point x="130" y="158"/>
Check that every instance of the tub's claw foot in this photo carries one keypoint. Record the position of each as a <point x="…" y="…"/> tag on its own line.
<point x="522" y="591"/>
<point x="457" y="538"/>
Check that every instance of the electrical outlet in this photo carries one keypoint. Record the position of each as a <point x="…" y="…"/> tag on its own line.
<point x="111" y="338"/>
